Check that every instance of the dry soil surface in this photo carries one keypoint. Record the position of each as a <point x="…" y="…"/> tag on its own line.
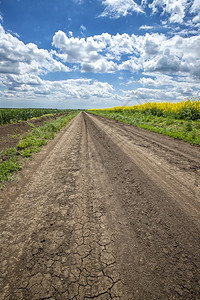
<point x="105" y="211"/>
<point x="10" y="134"/>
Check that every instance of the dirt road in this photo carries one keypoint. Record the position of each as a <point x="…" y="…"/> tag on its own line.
<point x="105" y="211"/>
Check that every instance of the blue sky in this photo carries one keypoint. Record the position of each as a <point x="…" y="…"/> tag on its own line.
<point x="98" y="53"/>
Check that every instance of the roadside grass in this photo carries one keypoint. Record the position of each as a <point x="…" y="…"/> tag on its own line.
<point x="11" y="158"/>
<point x="187" y="130"/>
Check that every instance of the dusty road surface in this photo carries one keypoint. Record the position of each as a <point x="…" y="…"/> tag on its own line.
<point x="105" y="211"/>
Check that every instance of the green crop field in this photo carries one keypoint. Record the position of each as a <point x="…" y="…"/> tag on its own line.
<point x="11" y="115"/>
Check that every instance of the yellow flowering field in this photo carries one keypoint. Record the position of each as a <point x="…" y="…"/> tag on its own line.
<point x="187" y="110"/>
<point x="179" y="120"/>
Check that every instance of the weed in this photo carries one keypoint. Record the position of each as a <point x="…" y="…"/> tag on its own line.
<point x="188" y="127"/>
<point x="7" y="168"/>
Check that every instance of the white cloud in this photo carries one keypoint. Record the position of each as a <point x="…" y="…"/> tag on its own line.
<point x="94" y="54"/>
<point x="181" y="86"/>
<point x="195" y="6"/>
<point x="100" y="66"/>
<point x="81" y="88"/>
<point x="75" y="50"/>
<point x="132" y="65"/>
<point x="149" y="82"/>
<point x="30" y="85"/>
<point x="153" y="93"/>
<point x="150" y="94"/>
<point x="21" y="66"/>
<point x="166" y="63"/>
<point x="14" y="33"/>
<point x="119" y="45"/>
<point x="196" y="19"/>
<point x="152" y="52"/>
<point x="145" y="27"/>
<point x="120" y="8"/>
<point x="175" y="8"/>
<point x="173" y="55"/>
<point x="19" y="58"/>
<point x="170" y="66"/>
<point x="82" y="28"/>
<point x="76" y="88"/>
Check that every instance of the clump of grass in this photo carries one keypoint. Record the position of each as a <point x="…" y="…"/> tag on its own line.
<point x="29" y="144"/>
<point x="7" y="168"/>
<point x="188" y="127"/>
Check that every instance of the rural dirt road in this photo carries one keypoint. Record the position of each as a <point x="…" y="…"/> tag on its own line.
<point x="105" y="211"/>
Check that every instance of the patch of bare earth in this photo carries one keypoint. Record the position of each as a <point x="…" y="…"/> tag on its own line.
<point x="10" y="134"/>
<point x="105" y="211"/>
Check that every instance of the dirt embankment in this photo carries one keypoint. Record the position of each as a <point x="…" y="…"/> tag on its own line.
<point x="105" y="211"/>
<point x="10" y="134"/>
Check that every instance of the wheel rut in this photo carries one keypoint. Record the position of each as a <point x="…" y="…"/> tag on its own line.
<point x="65" y="250"/>
<point x="91" y="223"/>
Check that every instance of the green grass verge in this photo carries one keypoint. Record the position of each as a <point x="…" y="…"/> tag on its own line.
<point x="188" y="131"/>
<point x="10" y="159"/>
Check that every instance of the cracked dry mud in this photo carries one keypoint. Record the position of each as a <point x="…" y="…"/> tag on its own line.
<point x="105" y="211"/>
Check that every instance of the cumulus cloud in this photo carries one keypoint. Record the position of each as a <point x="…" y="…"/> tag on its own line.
<point x="148" y="81"/>
<point x="150" y="52"/>
<point x="22" y="65"/>
<point x="195" y="6"/>
<point x="163" y="62"/>
<point x="158" y="86"/>
<point x="94" y="54"/>
<point x="195" y="10"/>
<point x="120" y="8"/>
<point x="19" y="58"/>
<point x="139" y="95"/>
<point x="174" y="11"/>
<point x="155" y="93"/>
<point x="132" y="65"/>
<point x="81" y="88"/>
<point x="31" y="85"/>
<point x="169" y="55"/>
<point x="174" y="8"/>
<point x="101" y="66"/>
<point x="75" y="50"/>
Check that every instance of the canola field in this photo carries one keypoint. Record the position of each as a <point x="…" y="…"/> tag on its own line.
<point x="186" y="110"/>
<point x="179" y="120"/>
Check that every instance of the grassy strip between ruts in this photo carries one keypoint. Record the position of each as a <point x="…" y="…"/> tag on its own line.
<point x="30" y="143"/>
<point x="186" y="130"/>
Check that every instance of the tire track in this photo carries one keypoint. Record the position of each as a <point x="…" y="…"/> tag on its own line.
<point x="92" y="222"/>
<point x="183" y="188"/>
<point x="62" y="247"/>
